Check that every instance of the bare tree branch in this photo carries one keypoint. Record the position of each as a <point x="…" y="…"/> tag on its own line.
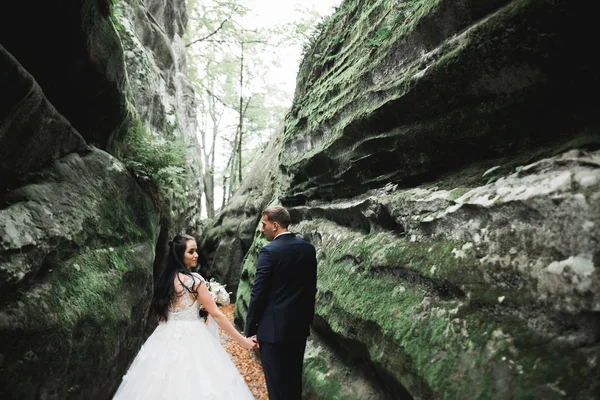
<point x="210" y="93"/>
<point x="246" y="106"/>
<point x="202" y="39"/>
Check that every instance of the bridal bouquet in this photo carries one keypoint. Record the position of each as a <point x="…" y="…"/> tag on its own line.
<point x="218" y="292"/>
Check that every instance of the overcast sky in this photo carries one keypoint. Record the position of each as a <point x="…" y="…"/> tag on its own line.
<point x="267" y="13"/>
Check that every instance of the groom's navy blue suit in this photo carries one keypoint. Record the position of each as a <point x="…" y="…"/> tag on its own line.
<point x="281" y="309"/>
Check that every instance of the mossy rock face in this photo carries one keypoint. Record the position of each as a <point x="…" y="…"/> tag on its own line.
<point x="77" y="230"/>
<point x="405" y="91"/>
<point x="326" y="376"/>
<point x="247" y="278"/>
<point x="76" y="254"/>
<point x="483" y="292"/>
<point x="115" y="65"/>
<point x="490" y="295"/>
<point x="159" y="90"/>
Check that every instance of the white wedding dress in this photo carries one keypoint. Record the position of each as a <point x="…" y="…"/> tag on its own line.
<point x="183" y="360"/>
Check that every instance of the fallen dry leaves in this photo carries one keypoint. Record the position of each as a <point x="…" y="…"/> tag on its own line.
<point x="248" y="365"/>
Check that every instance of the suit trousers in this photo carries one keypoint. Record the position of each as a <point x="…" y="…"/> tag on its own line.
<point x="282" y="365"/>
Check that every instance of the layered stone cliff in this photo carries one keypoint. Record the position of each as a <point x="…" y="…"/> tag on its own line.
<point x="78" y="227"/>
<point x="442" y="156"/>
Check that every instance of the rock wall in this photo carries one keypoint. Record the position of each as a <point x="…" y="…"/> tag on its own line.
<point x="443" y="158"/>
<point x="78" y="230"/>
<point x="492" y="293"/>
<point x="151" y="35"/>
<point x="438" y="85"/>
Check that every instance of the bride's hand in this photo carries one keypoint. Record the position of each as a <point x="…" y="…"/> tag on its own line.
<point x="249" y="344"/>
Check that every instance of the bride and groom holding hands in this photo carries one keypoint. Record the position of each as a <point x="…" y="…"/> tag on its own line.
<point x="183" y="360"/>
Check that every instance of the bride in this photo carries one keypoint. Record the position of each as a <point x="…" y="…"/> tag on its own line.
<point x="182" y="359"/>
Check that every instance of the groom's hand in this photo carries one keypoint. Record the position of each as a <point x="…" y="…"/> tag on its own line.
<point x="255" y="340"/>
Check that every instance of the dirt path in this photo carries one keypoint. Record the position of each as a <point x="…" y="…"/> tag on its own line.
<point x="248" y="365"/>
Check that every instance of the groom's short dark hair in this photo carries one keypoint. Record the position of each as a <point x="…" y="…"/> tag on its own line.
<point x="279" y="215"/>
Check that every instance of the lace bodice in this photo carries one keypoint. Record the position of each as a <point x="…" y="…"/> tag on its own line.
<point x="185" y="306"/>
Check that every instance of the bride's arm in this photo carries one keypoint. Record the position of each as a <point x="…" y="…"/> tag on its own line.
<point x="207" y="301"/>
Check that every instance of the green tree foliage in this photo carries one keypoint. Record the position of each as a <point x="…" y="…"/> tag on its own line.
<point x="239" y="104"/>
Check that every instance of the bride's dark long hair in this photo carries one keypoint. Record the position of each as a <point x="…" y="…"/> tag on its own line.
<point x="164" y="291"/>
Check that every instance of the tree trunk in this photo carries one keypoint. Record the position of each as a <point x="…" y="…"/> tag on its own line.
<point x="241" y="124"/>
<point x="209" y="193"/>
<point x="224" y="202"/>
<point x="228" y="182"/>
<point x="232" y="174"/>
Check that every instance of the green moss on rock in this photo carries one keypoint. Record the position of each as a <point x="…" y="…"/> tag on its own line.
<point x="80" y="309"/>
<point x="435" y="343"/>
<point x="385" y="94"/>
<point x="81" y="323"/>
<point x="247" y="277"/>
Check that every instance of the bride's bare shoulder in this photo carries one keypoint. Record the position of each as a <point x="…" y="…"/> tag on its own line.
<point x="198" y="276"/>
<point x="187" y="280"/>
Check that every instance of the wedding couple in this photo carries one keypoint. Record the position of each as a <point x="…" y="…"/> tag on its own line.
<point x="183" y="360"/>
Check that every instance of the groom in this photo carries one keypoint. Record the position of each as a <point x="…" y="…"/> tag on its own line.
<point x="282" y="304"/>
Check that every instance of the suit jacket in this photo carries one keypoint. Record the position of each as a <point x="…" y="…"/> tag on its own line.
<point x="282" y="303"/>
